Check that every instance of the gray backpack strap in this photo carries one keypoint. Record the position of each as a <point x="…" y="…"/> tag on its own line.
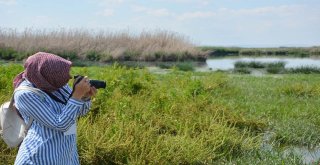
<point x="28" y="125"/>
<point x="35" y="90"/>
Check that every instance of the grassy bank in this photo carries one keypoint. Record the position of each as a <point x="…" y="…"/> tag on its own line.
<point x="103" y="46"/>
<point x="191" y="118"/>
<point x="281" y="51"/>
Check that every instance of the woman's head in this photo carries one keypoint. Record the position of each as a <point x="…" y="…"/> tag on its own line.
<point x="46" y="71"/>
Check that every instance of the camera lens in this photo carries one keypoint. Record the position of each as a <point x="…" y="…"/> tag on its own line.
<point x="98" y="84"/>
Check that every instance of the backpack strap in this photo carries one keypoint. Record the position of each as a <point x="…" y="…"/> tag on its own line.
<point x="35" y="90"/>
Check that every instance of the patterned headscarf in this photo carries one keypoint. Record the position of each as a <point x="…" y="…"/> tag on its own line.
<point x="46" y="71"/>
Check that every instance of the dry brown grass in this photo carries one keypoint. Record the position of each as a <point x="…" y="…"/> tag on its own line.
<point x="146" y="46"/>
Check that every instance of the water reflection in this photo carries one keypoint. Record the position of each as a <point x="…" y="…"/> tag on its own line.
<point x="228" y="63"/>
<point x="308" y="155"/>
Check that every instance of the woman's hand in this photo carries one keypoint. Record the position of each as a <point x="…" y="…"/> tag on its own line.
<point x="81" y="89"/>
<point x="91" y="93"/>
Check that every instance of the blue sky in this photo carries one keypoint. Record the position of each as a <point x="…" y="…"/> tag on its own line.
<point x="246" y="23"/>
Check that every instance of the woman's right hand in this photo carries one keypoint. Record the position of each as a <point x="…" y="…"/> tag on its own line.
<point x="81" y="88"/>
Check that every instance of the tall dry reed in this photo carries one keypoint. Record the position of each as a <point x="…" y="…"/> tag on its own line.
<point x="102" y="45"/>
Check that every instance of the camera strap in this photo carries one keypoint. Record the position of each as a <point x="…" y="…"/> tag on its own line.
<point x="55" y="98"/>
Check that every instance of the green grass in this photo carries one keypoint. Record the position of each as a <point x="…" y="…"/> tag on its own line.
<point x="190" y="117"/>
<point x="242" y="70"/>
<point x="280" y="51"/>
<point x="305" y="70"/>
<point x="182" y="66"/>
<point x="258" y="65"/>
<point x="270" y="67"/>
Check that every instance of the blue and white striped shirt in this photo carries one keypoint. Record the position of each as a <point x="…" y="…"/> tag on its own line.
<point x="50" y="139"/>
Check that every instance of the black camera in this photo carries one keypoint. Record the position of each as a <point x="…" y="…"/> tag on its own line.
<point x="95" y="83"/>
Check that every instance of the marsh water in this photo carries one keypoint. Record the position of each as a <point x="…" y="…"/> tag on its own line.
<point x="306" y="154"/>
<point x="228" y="63"/>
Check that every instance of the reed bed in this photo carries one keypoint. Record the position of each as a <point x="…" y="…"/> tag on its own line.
<point x="101" y="46"/>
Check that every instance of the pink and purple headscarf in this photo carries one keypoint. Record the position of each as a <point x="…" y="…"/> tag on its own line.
<point x="46" y="71"/>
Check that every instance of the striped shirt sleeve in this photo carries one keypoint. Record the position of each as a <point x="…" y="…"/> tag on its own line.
<point x="86" y="106"/>
<point x="41" y="110"/>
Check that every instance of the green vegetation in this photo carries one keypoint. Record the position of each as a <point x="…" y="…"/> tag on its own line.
<point x="305" y="70"/>
<point x="282" y="51"/>
<point x="183" y="66"/>
<point x="191" y="117"/>
<point x="252" y="64"/>
<point x="242" y="70"/>
<point x="273" y="68"/>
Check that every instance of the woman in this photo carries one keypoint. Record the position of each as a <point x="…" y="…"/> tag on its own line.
<point x="51" y="138"/>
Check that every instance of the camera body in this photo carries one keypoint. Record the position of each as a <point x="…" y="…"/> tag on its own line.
<point x="98" y="84"/>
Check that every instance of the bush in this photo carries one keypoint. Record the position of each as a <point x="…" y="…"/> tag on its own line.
<point x="240" y="64"/>
<point x="276" y="67"/>
<point x="185" y="66"/>
<point x="255" y="64"/>
<point x="301" y="90"/>
<point x="165" y="65"/>
<point x="275" y="70"/>
<point x="252" y="64"/>
<point x="242" y="70"/>
<point x="93" y="56"/>
<point x="7" y="53"/>
<point x="70" y="55"/>
<point x="279" y="64"/>
<point x="304" y="70"/>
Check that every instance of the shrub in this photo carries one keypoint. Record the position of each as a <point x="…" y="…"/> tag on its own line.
<point x="242" y="70"/>
<point x="304" y="70"/>
<point x="93" y="56"/>
<point x="7" y="53"/>
<point x="240" y="64"/>
<point x="165" y="65"/>
<point x="255" y="64"/>
<point x="300" y="89"/>
<point x="70" y="55"/>
<point x="185" y="66"/>
<point x="276" y="67"/>
<point x="252" y="64"/>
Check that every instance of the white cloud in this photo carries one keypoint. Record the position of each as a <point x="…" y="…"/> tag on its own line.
<point x="8" y="2"/>
<point x="195" y="15"/>
<point x="108" y="2"/>
<point x="139" y="8"/>
<point x="107" y="12"/>
<point x="40" y="21"/>
<point x="205" y="2"/>
<point x="201" y="2"/>
<point x="270" y="10"/>
<point x="108" y="7"/>
<point x="161" y="12"/>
